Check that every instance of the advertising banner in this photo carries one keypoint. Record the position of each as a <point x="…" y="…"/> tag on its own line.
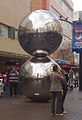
<point x="77" y="36"/>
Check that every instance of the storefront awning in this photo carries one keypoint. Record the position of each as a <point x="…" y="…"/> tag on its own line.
<point x="59" y="61"/>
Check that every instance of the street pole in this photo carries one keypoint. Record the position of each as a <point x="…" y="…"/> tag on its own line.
<point x="80" y="61"/>
<point x="80" y="71"/>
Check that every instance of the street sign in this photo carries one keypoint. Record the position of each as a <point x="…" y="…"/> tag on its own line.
<point x="77" y="36"/>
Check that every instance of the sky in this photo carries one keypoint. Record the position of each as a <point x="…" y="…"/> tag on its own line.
<point x="77" y="5"/>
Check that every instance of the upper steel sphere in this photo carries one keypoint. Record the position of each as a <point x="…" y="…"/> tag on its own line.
<point x="40" y="32"/>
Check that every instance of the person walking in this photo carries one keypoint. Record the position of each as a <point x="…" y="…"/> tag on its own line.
<point x="64" y="87"/>
<point x="13" y="82"/>
<point x="56" y="91"/>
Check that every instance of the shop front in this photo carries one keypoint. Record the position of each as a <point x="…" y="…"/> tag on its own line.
<point x="8" y="60"/>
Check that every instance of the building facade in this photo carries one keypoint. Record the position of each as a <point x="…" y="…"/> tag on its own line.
<point x="11" y="13"/>
<point x="63" y="9"/>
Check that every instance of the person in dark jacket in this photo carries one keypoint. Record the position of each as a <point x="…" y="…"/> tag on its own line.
<point x="65" y="89"/>
<point x="13" y="82"/>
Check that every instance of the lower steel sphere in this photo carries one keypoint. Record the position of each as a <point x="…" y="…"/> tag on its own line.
<point x="34" y="80"/>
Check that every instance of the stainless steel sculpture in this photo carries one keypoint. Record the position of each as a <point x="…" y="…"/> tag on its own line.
<point x="39" y="34"/>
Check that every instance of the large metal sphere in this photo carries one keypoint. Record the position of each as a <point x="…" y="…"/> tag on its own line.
<point x="34" y="80"/>
<point x="41" y="32"/>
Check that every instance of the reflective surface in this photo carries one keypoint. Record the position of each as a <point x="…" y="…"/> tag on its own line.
<point x="40" y="31"/>
<point x="39" y="34"/>
<point x="37" y="67"/>
<point x="34" y="80"/>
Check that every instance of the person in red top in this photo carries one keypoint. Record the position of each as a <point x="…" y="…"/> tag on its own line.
<point x="6" y="82"/>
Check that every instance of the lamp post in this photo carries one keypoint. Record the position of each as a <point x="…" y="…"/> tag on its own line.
<point x="80" y="71"/>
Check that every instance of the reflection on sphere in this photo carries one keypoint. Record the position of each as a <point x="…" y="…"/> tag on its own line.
<point x="40" y="30"/>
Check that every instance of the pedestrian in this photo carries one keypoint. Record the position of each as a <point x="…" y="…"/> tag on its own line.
<point x="56" y="91"/>
<point x="1" y="84"/>
<point x="6" y="82"/>
<point x="13" y="82"/>
<point x="65" y="89"/>
<point x="71" y="80"/>
<point x="66" y="75"/>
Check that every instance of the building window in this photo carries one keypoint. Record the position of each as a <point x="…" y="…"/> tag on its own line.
<point x="3" y="30"/>
<point x="7" y="31"/>
<point x="11" y="32"/>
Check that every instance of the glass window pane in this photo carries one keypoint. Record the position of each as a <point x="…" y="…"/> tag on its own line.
<point x="3" y="30"/>
<point x="11" y="32"/>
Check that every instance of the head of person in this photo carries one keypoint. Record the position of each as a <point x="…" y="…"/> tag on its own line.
<point x="55" y="68"/>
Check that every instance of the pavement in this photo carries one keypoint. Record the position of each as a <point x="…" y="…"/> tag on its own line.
<point x="21" y="108"/>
